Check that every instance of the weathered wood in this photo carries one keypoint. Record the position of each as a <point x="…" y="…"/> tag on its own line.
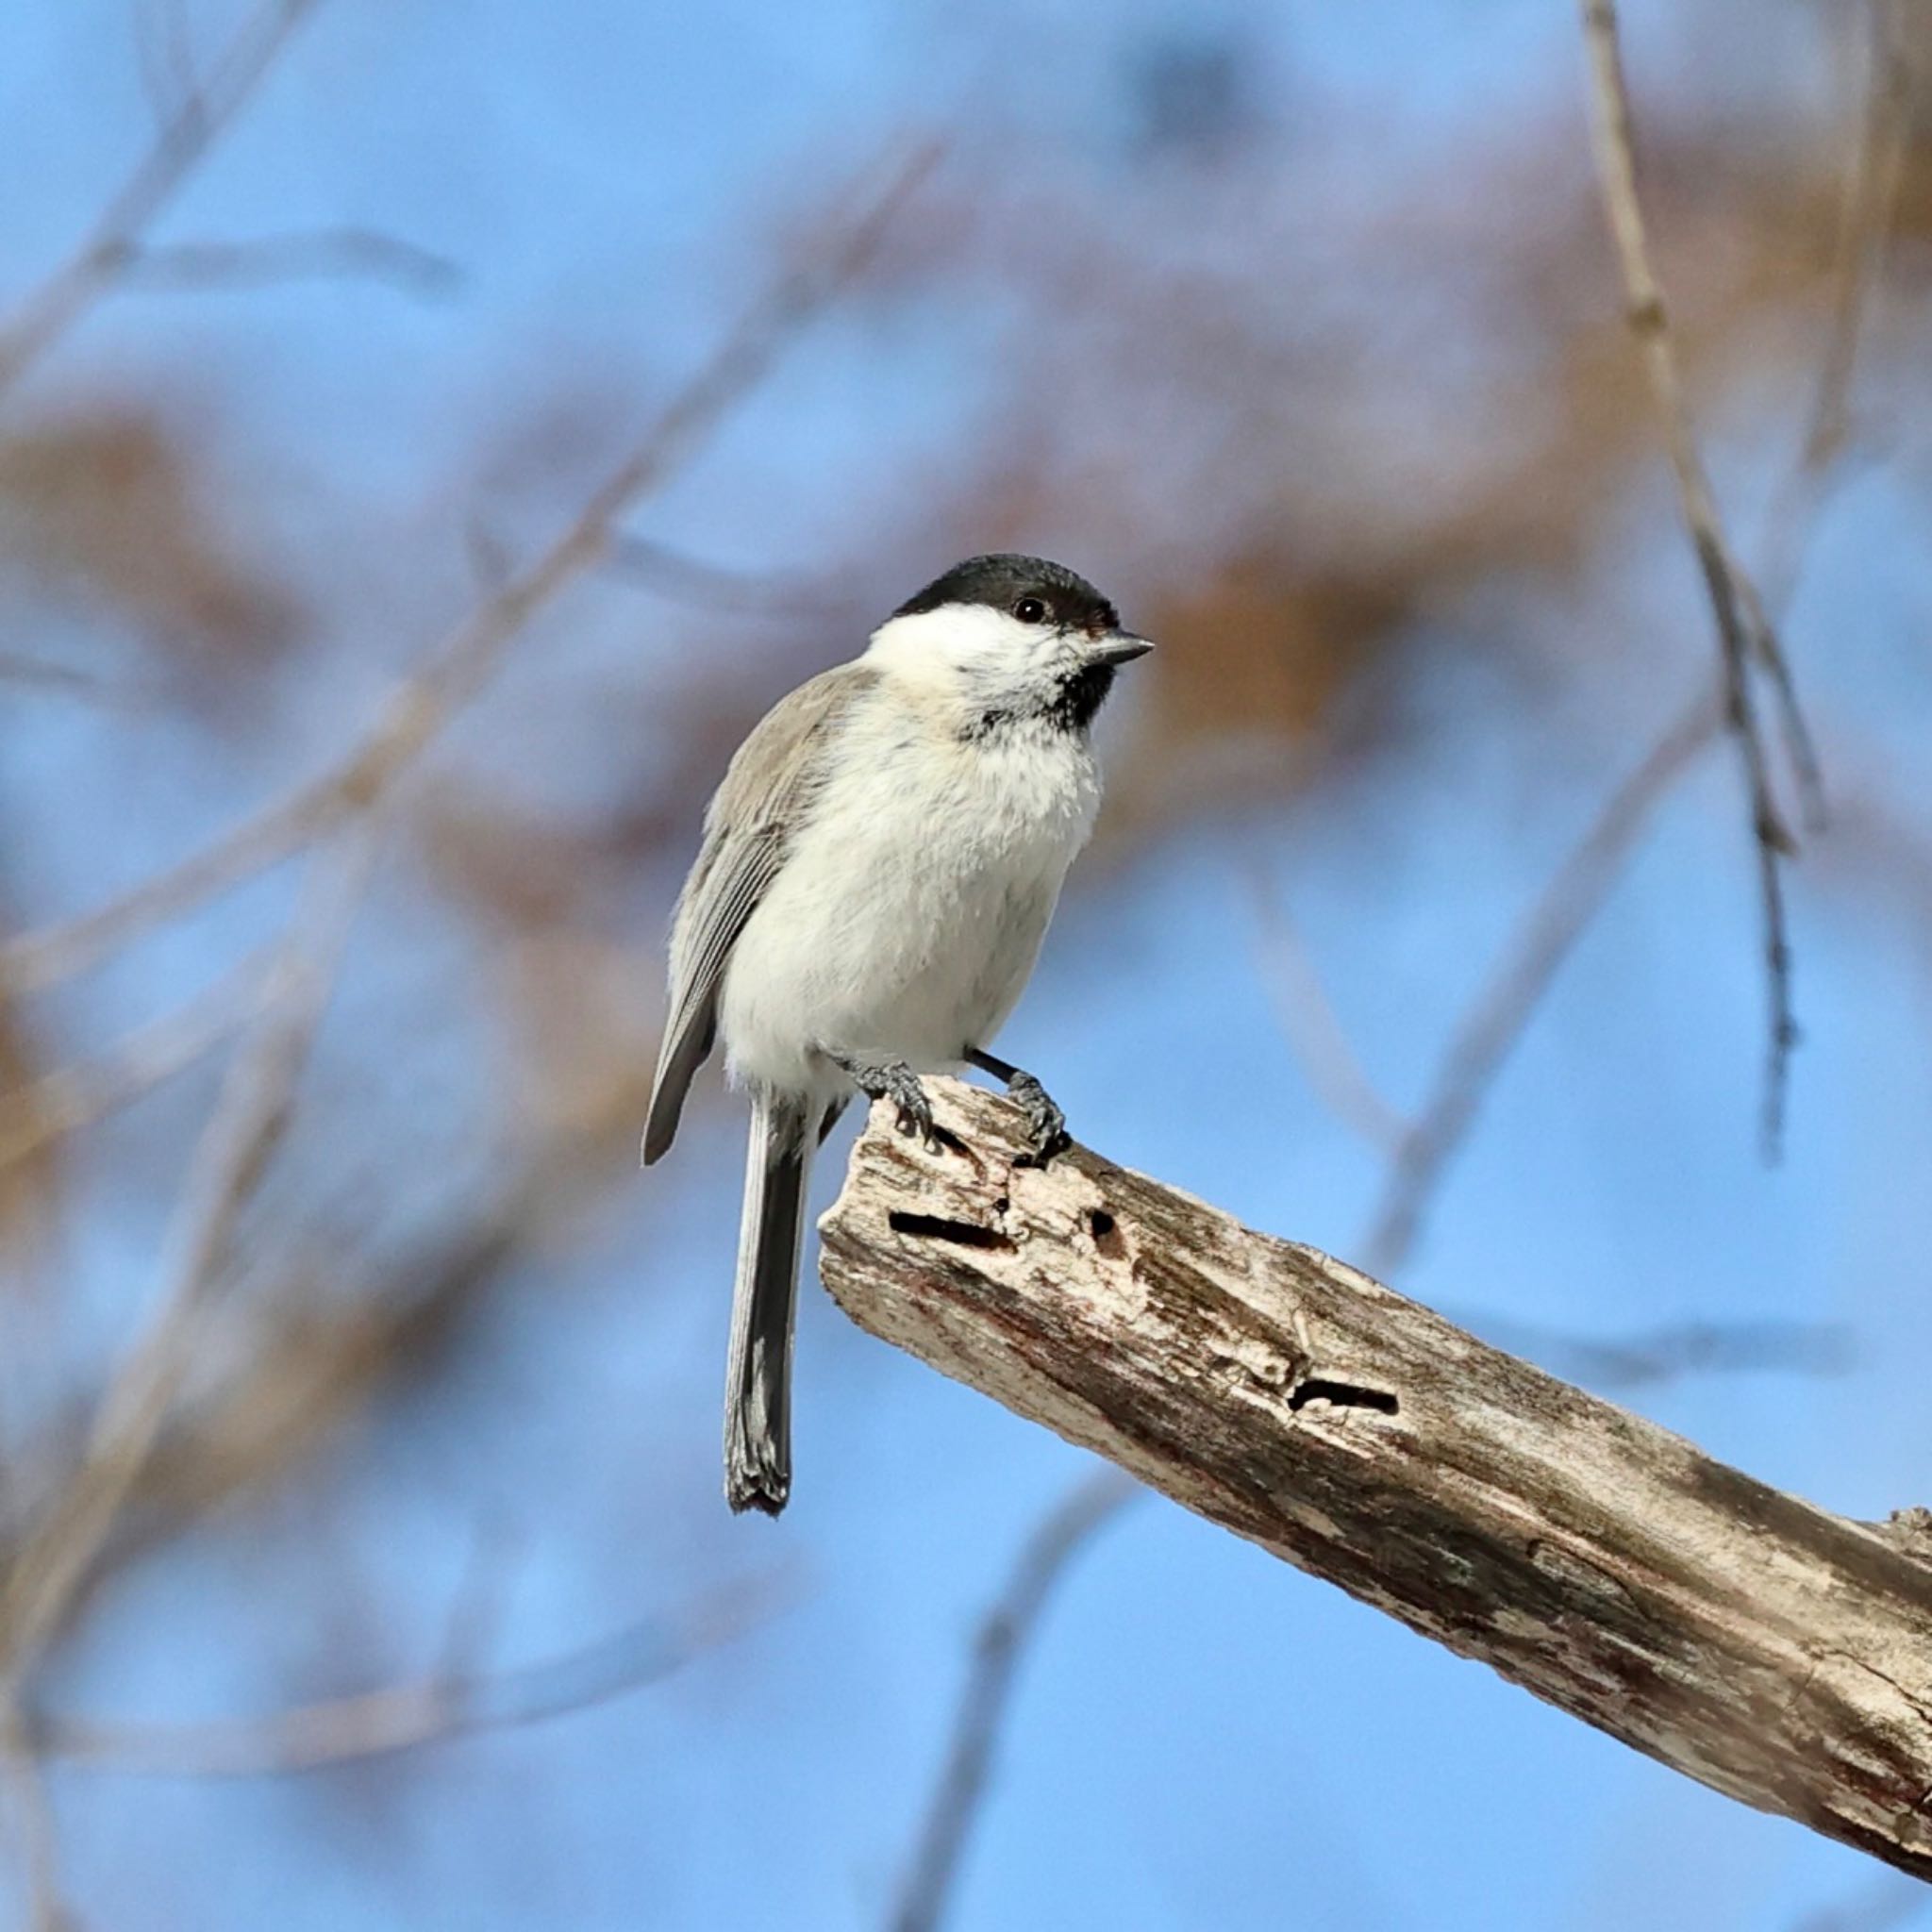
<point x="1777" y="1652"/>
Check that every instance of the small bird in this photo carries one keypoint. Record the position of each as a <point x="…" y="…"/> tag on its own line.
<point x="877" y="874"/>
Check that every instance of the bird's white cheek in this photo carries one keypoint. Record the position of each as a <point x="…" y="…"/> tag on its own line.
<point x="936" y="650"/>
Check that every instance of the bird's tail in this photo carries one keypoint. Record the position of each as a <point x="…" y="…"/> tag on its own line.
<point x="757" y="1388"/>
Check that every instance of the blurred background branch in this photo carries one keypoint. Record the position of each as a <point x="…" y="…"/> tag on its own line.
<point x="196" y="124"/>
<point x="1411" y="904"/>
<point x="408" y="1717"/>
<point x="363" y="254"/>
<point x="998" y="1646"/>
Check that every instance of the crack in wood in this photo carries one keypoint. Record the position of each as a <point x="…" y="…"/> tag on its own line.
<point x="941" y="1227"/>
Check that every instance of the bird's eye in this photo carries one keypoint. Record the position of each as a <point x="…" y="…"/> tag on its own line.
<point x="1030" y="611"/>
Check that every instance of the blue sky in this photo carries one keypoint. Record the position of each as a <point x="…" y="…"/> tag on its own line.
<point x="1203" y="1737"/>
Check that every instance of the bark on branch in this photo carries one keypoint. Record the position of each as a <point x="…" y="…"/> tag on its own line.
<point x="1777" y="1652"/>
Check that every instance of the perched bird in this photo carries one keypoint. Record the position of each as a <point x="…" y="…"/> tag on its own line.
<point x="877" y="874"/>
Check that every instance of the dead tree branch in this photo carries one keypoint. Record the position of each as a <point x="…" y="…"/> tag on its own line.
<point x="1771" y="1650"/>
<point x="1423" y="1149"/>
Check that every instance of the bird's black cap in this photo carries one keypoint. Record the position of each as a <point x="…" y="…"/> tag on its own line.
<point x="1003" y="580"/>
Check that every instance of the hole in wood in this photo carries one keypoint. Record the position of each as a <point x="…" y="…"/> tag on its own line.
<point x="1343" y="1395"/>
<point x="1107" y="1234"/>
<point x="937" y="1227"/>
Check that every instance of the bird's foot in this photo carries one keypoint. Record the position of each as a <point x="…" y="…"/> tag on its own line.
<point x="1046" y="1126"/>
<point x="895" y="1082"/>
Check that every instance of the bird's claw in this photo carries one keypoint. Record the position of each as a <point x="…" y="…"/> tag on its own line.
<point x="1046" y="1126"/>
<point x="903" y="1087"/>
<point x="895" y="1082"/>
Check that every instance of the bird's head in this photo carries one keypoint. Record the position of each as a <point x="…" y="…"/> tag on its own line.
<point x="1015" y="639"/>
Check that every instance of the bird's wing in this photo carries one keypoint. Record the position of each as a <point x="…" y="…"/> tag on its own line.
<point x="767" y="793"/>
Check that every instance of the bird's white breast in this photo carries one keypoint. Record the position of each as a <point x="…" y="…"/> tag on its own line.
<point x="911" y="908"/>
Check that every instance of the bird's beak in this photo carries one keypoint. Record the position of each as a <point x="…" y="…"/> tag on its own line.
<point x="1119" y="648"/>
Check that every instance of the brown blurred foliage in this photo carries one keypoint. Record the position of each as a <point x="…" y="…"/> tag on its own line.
<point x="111" y="503"/>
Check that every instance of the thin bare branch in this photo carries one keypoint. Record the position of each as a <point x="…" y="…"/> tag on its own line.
<point x="419" y="710"/>
<point x="672" y="572"/>
<point x="36" y="1833"/>
<point x="1484" y="1040"/>
<point x="1312" y="1030"/>
<point x="322" y="254"/>
<point x="406" y="1717"/>
<point x="37" y="673"/>
<point x="1745" y="635"/>
<point x="248" y="1124"/>
<point x="959" y="1797"/>
<point x="1641" y="1360"/>
<point x="1871" y="200"/>
<point x="70" y="1098"/>
<point x="183" y="142"/>
<point x="167" y="59"/>
<point x="1496" y="1018"/>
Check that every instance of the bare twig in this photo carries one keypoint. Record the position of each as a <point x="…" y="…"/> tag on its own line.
<point x="1309" y="1021"/>
<point x="37" y="959"/>
<point x="406" y="1717"/>
<point x="323" y="255"/>
<point x="37" y="673"/>
<point x="167" y="60"/>
<point x="37" y="1832"/>
<point x="959" y="1795"/>
<point x="1486" y="1034"/>
<point x="674" y="573"/>
<point x="256" y="1102"/>
<point x="1624" y="1362"/>
<point x="1745" y="635"/>
<point x="62" y="1102"/>
<point x="468" y="657"/>
<point x="249" y="1121"/>
<point x="184" y="140"/>
<point x="1495" y="1020"/>
<point x="312" y="1360"/>
<point x="1871" y="198"/>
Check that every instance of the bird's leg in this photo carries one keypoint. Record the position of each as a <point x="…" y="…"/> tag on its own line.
<point x="895" y="1082"/>
<point x="1046" y="1125"/>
